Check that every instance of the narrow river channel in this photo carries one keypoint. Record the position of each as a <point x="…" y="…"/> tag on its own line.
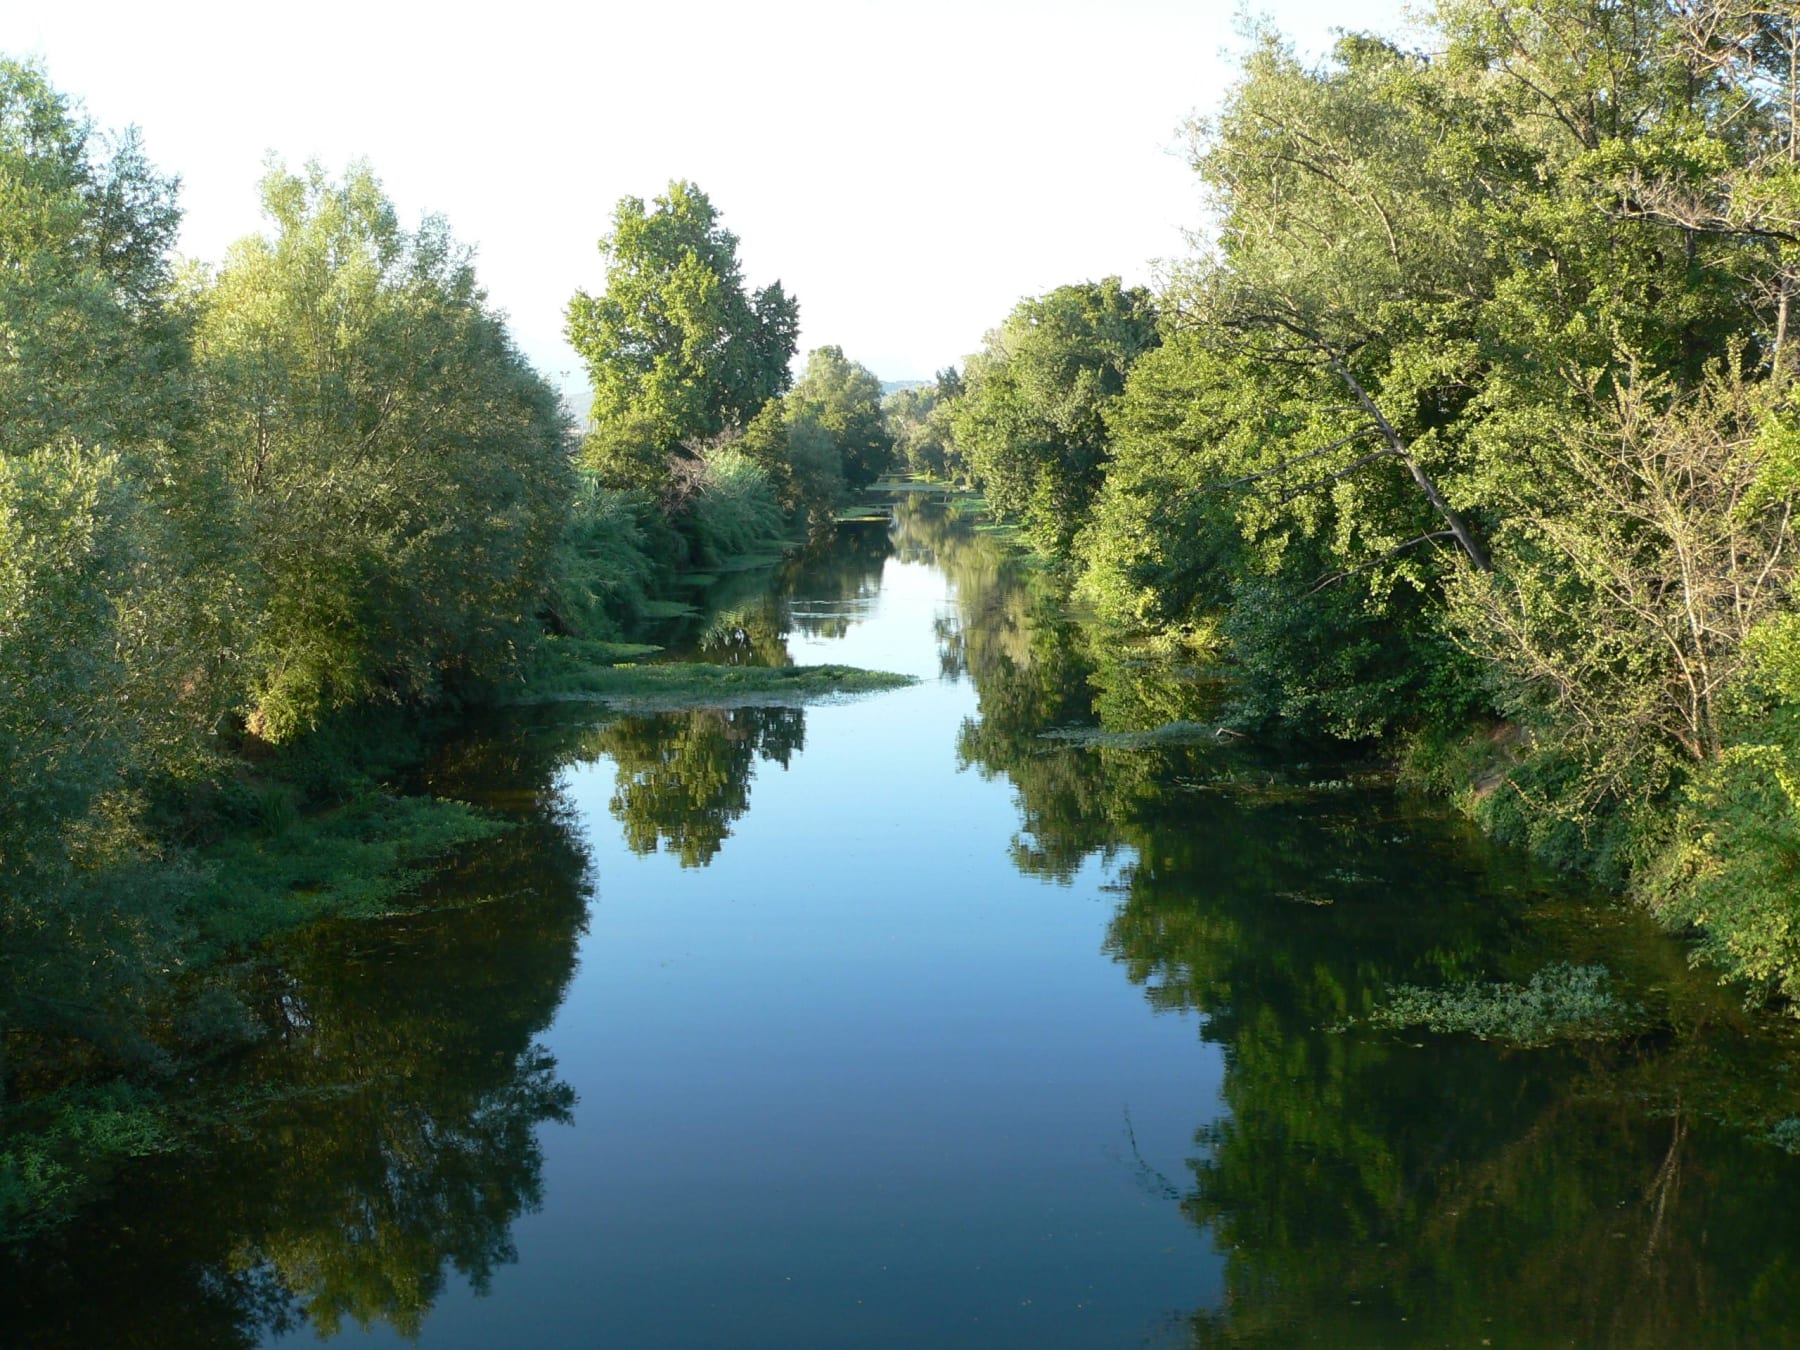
<point x="894" y="1022"/>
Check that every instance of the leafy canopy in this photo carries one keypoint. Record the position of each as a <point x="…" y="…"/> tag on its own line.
<point x="675" y="346"/>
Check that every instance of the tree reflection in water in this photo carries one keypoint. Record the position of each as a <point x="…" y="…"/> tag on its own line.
<point x="683" y="778"/>
<point x="381" y="1136"/>
<point x="1370" y="1187"/>
<point x="1365" y="1187"/>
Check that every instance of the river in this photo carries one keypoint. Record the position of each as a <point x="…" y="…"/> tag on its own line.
<point x="894" y="1022"/>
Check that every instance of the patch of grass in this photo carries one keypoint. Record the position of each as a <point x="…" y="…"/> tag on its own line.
<point x="1561" y="1002"/>
<point x="668" y="609"/>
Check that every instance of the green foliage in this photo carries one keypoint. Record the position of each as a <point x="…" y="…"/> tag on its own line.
<point x="94" y="351"/>
<point x="801" y="460"/>
<point x="355" y="861"/>
<point x="400" y="470"/>
<point x="1032" y="419"/>
<point x="675" y="346"/>
<point x="843" y="399"/>
<point x="735" y="511"/>
<point x="1512" y="443"/>
<point x="1729" y="862"/>
<point x="919" y="424"/>
<point x="60" y="1148"/>
<point x="607" y="563"/>
<point x="824" y="440"/>
<point x="1616" y="621"/>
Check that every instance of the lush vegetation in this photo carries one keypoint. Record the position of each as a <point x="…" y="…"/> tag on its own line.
<point x="1470" y="437"/>
<point x="261" y="522"/>
<point x="1470" y="433"/>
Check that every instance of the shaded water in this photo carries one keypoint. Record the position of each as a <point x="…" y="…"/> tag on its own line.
<point x="893" y="1023"/>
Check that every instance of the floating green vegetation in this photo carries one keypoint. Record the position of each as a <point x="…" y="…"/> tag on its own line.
<point x="668" y="609"/>
<point x="1562" y="1002"/>
<point x="673" y="685"/>
<point x="1170" y="733"/>
<point x="595" y="652"/>
<point x="57" y="1149"/>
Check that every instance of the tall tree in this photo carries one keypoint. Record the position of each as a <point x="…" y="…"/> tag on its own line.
<point x="918" y="419"/>
<point x="676" y="348"/>
<point x="401" y="470"/>
<point x="845" y="397"/>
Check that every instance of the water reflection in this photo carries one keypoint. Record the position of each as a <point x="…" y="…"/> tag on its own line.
<point x="1381" y="1189"/>
<point x="746" y="618"/>
<point x="382" y="1136"/>
<point x="1374" y="1188"/>
<point x="683" y="778"/>
<point x="1362" y="1188"/>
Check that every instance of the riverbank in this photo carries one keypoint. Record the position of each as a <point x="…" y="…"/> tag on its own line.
<point x="334" y="825"/>
<point x="940" y="982"/>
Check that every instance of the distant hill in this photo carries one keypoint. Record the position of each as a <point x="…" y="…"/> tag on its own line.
<point x="889" y="386"/>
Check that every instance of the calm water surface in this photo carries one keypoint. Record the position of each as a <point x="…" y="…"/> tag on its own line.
<point x="895" y="1023"/>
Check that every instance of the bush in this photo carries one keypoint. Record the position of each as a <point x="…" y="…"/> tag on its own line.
<point x="735" y="512"/>
<point x="606" y="564"/>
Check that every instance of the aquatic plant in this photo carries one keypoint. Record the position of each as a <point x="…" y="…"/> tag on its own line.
<point x="1560" y="1002"/>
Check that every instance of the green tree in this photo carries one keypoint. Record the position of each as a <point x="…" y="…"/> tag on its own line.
<point x="918" y="420"/>
<point x="1032" y="421"/>
<point x="845" y="398"/>
<point x="401" y="472"/>
<point x="827" y="437"/>
<point x="94" y="351"/>
<point x="108" y="658"/>
<point x="676" y="348"/>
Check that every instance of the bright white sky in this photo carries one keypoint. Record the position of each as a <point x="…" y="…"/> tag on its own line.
<point x="909" y="171"/>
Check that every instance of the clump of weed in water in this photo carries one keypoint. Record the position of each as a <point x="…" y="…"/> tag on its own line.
<point x="1785" y="1134"/>
<point x="1561" y="1002"/>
